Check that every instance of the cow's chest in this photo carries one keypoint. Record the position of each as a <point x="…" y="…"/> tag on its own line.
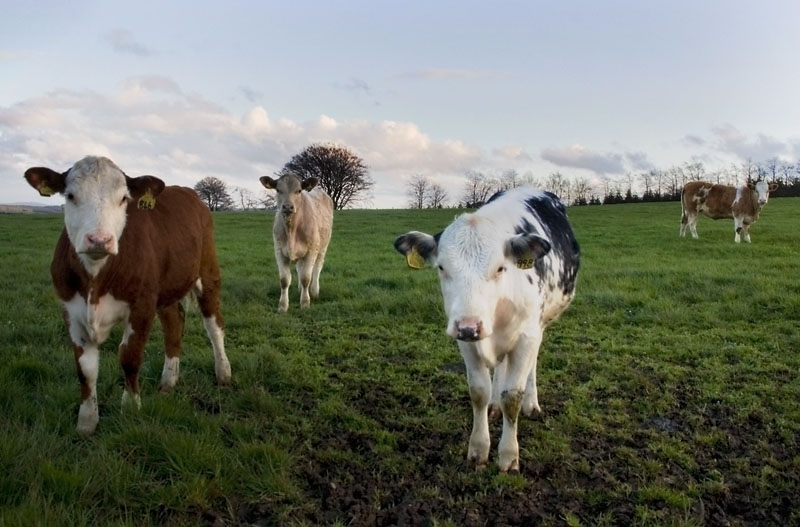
<point x="92" y="322"/>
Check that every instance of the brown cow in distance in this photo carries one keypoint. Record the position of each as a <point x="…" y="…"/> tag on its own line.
<point x="130" y="248"/>
<point x="743" y="204"/>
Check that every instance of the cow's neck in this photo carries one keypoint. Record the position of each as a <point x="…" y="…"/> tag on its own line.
<point x="292" y="224"/>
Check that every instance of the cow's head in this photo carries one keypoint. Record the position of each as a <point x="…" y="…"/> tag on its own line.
<point x="97" y="195"/>
<point x="762" y="190"/>
<point x="475" y="264"/>
<point x="288" y="187"/>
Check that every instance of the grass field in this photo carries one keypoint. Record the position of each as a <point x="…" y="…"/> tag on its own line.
<point x="670" y="389"/>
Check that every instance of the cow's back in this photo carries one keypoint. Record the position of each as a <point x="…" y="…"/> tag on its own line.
<point x="522" y="211"/>
<point x="712" y="200"/>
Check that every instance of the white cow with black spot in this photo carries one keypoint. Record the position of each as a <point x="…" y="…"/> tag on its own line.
<point x="507" y="272"/>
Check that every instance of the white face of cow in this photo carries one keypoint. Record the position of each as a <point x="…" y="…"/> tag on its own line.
<point x="476" y="272"/>
<point x="762" y="190"/>
<point x="97" y="193"/>
<point x="288" y="189"/>
<point x="96" y="205"/>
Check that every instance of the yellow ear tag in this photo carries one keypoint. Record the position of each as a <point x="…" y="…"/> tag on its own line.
<point x="414" y="259"/>
<point x="526" y="262"/>
<point x="147" y="201"/>
<point x="45" y="190"/>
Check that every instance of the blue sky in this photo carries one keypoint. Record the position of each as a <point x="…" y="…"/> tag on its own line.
<point x="591" y="89"/>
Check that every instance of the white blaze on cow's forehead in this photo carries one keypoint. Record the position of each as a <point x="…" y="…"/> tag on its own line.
<point x="469" y="243"/>
<point x="96" y="178"/>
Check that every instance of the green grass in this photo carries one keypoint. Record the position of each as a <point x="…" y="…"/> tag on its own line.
<point x="669" y="389"/>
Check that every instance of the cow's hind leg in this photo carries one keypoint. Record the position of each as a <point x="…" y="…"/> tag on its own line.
<point x="305" y="268"/>
<point x="207" y="292"/>
<point x="318" y="263"/>
<point x="498" y="378"/>
<point x="172" y="322"/>
<point x="480" y="390"/>
<point x="131" y="353"/>
<point x="531" y="401"/>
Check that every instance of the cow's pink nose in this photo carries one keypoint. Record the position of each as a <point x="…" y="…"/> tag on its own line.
<point x="469" y="329"/>
<point x="98" y="242"/>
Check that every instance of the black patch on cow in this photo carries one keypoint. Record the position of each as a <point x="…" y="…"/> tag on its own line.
<point x="495" y="196"/>
<point x="552" y="215"/>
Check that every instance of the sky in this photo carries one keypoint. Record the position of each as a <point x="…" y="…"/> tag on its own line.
<point x="591" y="89"/>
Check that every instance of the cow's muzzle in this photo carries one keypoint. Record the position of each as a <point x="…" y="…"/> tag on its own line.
<point x="469" y="329"/>
<point x="98" y="245"/>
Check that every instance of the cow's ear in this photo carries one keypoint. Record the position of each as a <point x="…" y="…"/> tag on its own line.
<point x="751" y="185"/>
<point x="268" y="182"/>
<point x="144" y="190"/>
<point x="417" y="247"/>
<point x="309" y="183"/>
<point x="525" y="249"/>
<point x="46" y="180"/>
<point x="773" y="187"/>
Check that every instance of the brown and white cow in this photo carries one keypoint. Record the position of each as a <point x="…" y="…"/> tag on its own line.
<point x="743" y="204"/>
<point x="130" y="248"/>
<point x="301" y="233"/>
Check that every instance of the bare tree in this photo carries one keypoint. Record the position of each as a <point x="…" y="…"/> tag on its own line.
<point x="558" y="185"/>
<point x="509" y="179"/>
<point x="215" y="193"/>
<point x="417" y="189"/>
<point x="341" y="173"/>
<point x="477" y="189"/>
<point x="266" y="201"/>
<point x="436" y="196"/>
<point x="581" y="191"/>
<point x="247" y="200"/>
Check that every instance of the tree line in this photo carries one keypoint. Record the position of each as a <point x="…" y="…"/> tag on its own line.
<point x="651" y="185"/>
<point x="344" y="176"/>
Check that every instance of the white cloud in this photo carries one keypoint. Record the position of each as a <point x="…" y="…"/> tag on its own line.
<point x="150" y="126"/>
<point x="577" y="156"/>
<point x="729" y="139"/>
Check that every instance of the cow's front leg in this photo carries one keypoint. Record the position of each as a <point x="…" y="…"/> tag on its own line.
<point x="511" y="398"/>
<point x="172" y="320"/>
<point x="305" y="267"/>
<point x="746" y="232"/>
<point x="285" y="272"/>
<point x="480" y="390"/>
<point x="131" y="353"/>
<point x="87" y="363"/>
<point x="737" y="228"/>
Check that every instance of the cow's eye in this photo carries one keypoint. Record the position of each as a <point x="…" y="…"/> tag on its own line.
<point x="501" y="269"/>
<point x="71" y="196"/>
<point x="124" y="201"/>
<point x="441" y="268"/>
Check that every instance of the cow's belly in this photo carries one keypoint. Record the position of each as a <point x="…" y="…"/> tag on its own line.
<point x="92" y="323"/>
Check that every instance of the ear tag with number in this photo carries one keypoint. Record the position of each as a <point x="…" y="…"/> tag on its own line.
<point x="526" y="262"/>
<point x="414" y="259"/>
<point x="147" y="201"/>
<point x="45" y="190"/>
